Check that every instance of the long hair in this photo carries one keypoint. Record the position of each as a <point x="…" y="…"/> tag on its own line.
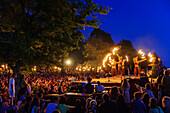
<point x="125" y="83"/>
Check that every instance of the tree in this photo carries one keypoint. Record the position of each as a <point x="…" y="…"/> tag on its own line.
<point x="96" y="47"/>
<point x="126" y="48"/>
<point x="38" y="32"/>
<point x="105" y="37"/>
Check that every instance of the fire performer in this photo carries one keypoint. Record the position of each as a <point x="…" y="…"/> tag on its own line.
<point x="154" y="70"/>
<point x="137" y="68"/>
<point x="121" y="63"/>
<point x="113" y="68"/>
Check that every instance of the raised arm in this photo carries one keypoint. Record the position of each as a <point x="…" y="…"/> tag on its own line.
<point x="141" y="60"/>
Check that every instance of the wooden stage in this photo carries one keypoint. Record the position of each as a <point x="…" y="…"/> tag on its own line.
<point x="109" y="81"/>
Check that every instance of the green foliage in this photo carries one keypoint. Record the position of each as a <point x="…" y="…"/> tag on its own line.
<point x="126" y="48"/>
<point x="96" y="47"/>
<point x="38" y="32"/>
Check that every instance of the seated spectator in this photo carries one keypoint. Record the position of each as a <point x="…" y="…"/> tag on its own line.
<point x="88" y="88"/>
<point x="122" y="106"/>
<point x="107" y="106"/>
<point x="99" y="88"/>
<point x="147" y="89"/>
<point x="154" y="108"/>
<point x="137" y="105"/>
<point x="52" y="106"/>
<point x="114" y="93"/>
<point x="166" y="104"/>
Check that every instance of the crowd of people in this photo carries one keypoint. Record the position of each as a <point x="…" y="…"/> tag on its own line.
<point x="25" y="94"/>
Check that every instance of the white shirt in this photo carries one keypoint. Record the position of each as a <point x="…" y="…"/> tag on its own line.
<point x="12" y="82"/>
<point x="99" y="88"/>
<point x="51" y="107"/>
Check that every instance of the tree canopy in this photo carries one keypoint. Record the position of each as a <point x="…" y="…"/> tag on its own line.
<point x="96" y="47"/>
<point x="37" y="32"/>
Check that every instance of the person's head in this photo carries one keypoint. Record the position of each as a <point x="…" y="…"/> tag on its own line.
<point x="89" y="80"/>
<point x="14" y="75"/>
<point x="125" y="83"/>
<point x="114" y="92"/>
<point x="120" y="58"/>
<point x="36" y="101"/>
<point x="138" y="96"/>
<point x="78" y="103"/>
<point x="159" y="59"/>
<point x="106" y="97"/>
<point x="98" y="82"/>
<point x="93" y="103"/>
<point x="56" y="111"/>
<point x="153" y="103"/>
<point x="165" y="101"/>
<point x="147" y="86"/>
<point x="40" y="95"/>
<point x="145" y="98"/>
<point x="120" y="100"/>
<point x="62" y="100"/>
<point x="166" y="73"/>
<point x="55" y="99"/>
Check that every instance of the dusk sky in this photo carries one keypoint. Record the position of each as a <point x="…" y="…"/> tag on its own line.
<point x="146" y="23"/>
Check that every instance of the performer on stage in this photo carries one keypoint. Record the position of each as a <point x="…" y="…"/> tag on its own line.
<point x="160" y="67"/>
<point x="154" y="70"/>
<point x="121" y="64"/>
<point x="113" y="68"/>
<point x="137" y="68"/>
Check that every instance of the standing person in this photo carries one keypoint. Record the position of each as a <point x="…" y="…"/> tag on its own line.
<point x="61" y="106"/>
<point x="120" y="69"/>
<point x="125" y="88"/>
<point x="122" y="106"/>
<point x="166" y="84"/>
<point x="160" y="67"/>
<point x="154" y="70"/>
<point x="113" y="68"/>
<point x="52" y="106"/>
<point x="99" y="88"/>
<point x="114" y="93"/>
<point x="107" y="106"/>
<point x="154" y="108"/>
<point x="147" y="89"/>
<point x="88" y="88"/>
<point x="12" y="86"/>
<point x="137" y="68"/>
<point x="36" y="105"/>
<point x="166" y="104"/>
<point x="145" y="100"/>
<point x="137" y="105"/>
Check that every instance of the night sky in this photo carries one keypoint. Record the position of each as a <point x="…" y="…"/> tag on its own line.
<point x="146" y="23"/>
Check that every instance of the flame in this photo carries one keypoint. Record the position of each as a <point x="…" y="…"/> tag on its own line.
<point x="105" y="59"/>
<point x="151" y="57"/>
<point x="115" y="49"/>
<point x="127" y="59"/>
<point x="141" y="53"/>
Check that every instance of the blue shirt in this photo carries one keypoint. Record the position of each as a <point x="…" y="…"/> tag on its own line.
<point x="138" y="107"/>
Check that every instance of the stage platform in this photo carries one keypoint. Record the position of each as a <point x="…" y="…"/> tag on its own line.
<point x="109" y="81"/>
